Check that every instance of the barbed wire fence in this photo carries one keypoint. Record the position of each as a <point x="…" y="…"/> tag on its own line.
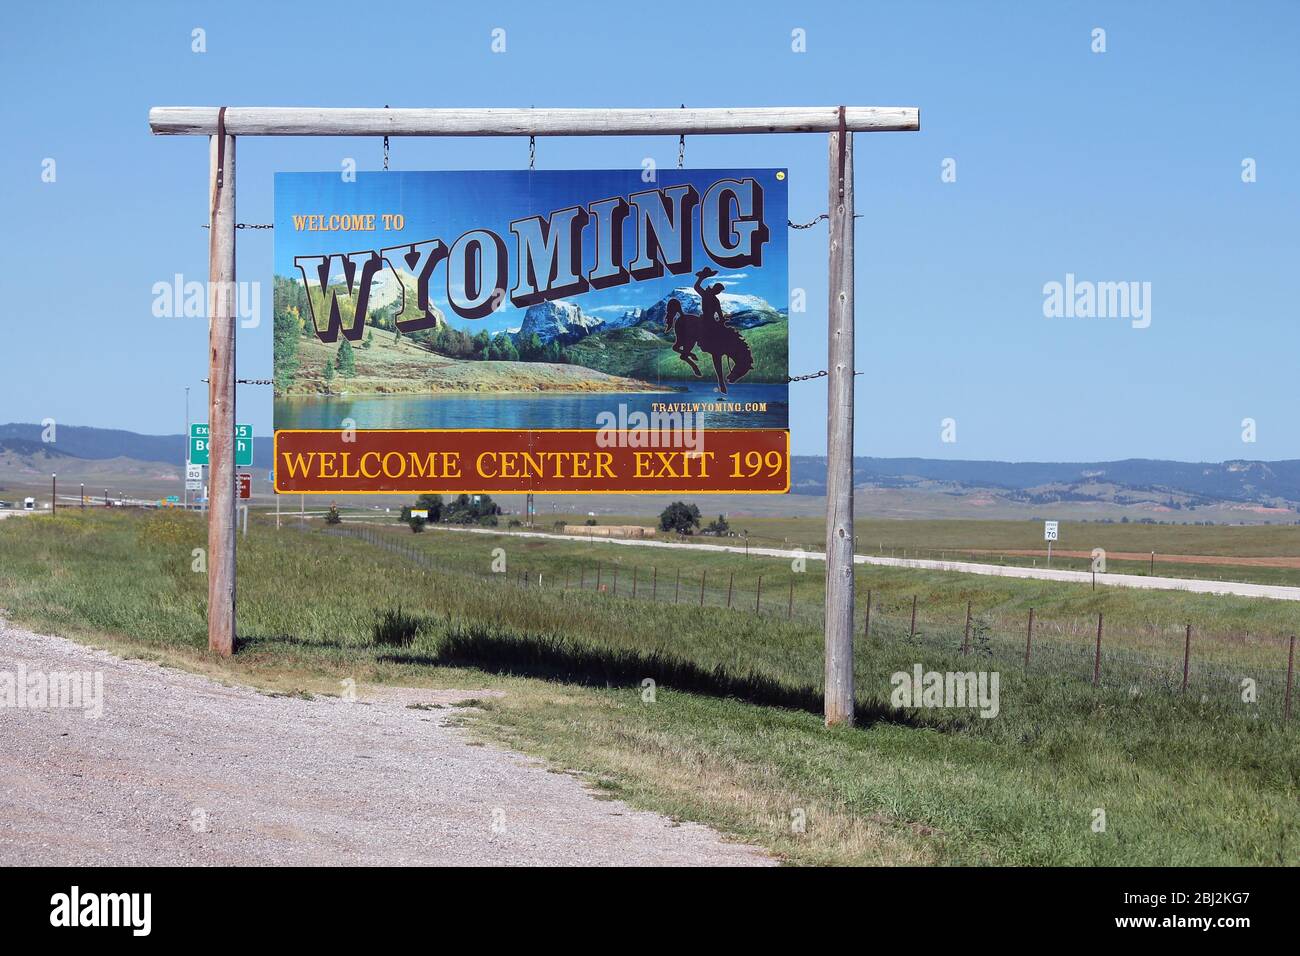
<point x="1068" y="650"/>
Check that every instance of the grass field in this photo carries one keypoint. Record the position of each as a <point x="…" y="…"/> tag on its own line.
<point x="732" y="737"/>
<point x="1243" y="630"/>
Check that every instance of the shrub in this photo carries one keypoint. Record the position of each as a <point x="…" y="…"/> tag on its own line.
<point x="169" y="527"/>
<point x="680" y="517"/>
<point x="396" y="628"/>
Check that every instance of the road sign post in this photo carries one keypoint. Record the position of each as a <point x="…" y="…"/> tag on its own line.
<point x="1050" y="531"/>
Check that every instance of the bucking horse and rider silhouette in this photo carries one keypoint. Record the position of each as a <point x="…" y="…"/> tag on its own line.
<point x="710" y="332"/>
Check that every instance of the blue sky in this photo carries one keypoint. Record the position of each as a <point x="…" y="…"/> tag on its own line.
<point x="446" y="205"/>
<point x="1117" y="166"/>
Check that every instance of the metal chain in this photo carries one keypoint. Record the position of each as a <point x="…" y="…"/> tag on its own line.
<point x="807" y="225"/>
<point x="804" y="378"/>
<point x="247" y="225"/>
<point x="681" y="148"/>
<point x="385" y="147"/>
<point x="532" y="152"/>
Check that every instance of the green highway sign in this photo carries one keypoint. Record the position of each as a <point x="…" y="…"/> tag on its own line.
<point x="243" y="445"/>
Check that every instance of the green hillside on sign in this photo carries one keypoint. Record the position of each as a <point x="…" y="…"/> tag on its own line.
<point x="641" y="353"/>
<point x="558" y="347"/>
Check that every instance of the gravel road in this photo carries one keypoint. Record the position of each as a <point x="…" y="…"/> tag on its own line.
<point x="179" y="769"/>
<point x="1279" y="592"/>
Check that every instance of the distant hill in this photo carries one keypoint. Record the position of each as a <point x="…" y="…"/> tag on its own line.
<point x="1174" y="484"/>
<point x="80" y="441"/>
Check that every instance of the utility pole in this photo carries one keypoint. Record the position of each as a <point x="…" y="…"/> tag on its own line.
<point x="221" y="393"/>
<point x="838" y="704"/>
<point x="187" y="448"/>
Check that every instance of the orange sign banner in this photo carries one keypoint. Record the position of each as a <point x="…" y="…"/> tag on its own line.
<point x="554" y="461"/>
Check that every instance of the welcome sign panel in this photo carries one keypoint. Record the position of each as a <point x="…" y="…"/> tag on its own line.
<point x="515" y="331"/>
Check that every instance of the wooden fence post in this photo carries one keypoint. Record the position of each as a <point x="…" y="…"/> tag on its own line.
<point x="1029" y="636"/>
<point x="654" y="583"/>
<point x="1187" y="656"/>
<point x="965" y="641"/>
<point x="704" y="576"/>
<point x="758" y="598"/>
<point x="634" y="580"/>
<point x="730" y="581"/>
<point x="911" y="635"/>
<point x="789" y="608"/>
<point x="677" y="588"/>
<point x="866" y="621"/>
<point x="1096" y="661"/>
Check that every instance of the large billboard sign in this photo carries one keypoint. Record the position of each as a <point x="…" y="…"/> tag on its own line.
<point x="515" y="331"/>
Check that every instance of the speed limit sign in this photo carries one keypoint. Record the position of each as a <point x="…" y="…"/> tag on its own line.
<point x="1049" y="530"/>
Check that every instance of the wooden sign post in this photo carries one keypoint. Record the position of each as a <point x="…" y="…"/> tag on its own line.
<point x="838" y="703"/>
<point x="222" y="300"/>
<point x="224" y="125"/>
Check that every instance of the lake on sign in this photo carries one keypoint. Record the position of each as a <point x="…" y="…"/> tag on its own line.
<point x="760" y="406"/>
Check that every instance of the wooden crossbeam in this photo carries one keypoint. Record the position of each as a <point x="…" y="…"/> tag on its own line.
<point x="312" y="121"/>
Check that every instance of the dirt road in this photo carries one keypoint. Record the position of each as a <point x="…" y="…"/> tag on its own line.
<point x="179" y="769"/>
<point x="1278" y="592"/>
<point x="1268" y="561"/>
